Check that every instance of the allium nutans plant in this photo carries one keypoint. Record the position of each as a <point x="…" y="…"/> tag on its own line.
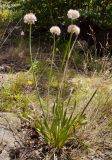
<point x="55" y="125"/>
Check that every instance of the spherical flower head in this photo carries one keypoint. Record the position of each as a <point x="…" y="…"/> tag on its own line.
<point x="30" y="18"/>
<point x="73" y="14"/>
<point x="73" y="29"/>
<point x="55" y="30"/>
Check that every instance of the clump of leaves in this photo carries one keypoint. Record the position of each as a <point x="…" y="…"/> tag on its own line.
<point x="57" y="128"/>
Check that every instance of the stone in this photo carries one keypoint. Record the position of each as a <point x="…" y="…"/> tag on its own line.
<point x="9" y="121"/>
<point x="10" y="124"/>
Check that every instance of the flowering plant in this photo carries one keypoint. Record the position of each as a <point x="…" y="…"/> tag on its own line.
<point x="55" y="124"/>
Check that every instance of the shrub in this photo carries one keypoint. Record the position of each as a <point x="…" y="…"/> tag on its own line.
<point x="54" y="12"/>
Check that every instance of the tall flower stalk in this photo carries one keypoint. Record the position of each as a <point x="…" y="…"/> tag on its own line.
<point x="55" y="30"/>
<point x="70" y="49"/>
<point x="66" y="51"/>
<point x="31" y="19"/>
<point x="30" y="48"/>
<point x="51" y="70"/>
<point x="73" y="15"/>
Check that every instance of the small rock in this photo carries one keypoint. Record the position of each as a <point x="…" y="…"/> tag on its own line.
<point x="9" y="126"/>
<point x="9" y="121"/>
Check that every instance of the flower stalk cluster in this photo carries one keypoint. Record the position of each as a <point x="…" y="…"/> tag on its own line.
<point x="55" y="126"/>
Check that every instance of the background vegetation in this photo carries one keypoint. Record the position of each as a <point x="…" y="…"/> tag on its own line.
<point x="94" y="13"/>
<point x="51" y="12"/>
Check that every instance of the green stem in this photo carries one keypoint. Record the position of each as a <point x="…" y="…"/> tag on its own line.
<point x="66" y="51"/>
<point x="53" y="53"/>
<point x="51" y="70"/>
<point x="71" y="21"/>
<point x="30" y="46"/>
<point x="31" y="61"/>
<point x="62" y="65"/>
<point x="66" y="66"/>
<point x="31" y="56"/>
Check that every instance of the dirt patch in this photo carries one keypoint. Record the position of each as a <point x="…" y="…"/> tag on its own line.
<point x="35" y="148"/>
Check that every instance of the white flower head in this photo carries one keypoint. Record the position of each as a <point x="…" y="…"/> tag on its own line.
<point x="22" y="33"/>
<point x="73" y="29"/>
<point x="55" y="30"/>
<point x="73" y="14"/>
<point x="30" y="18"/>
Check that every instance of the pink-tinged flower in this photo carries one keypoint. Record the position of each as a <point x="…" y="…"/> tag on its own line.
<point x="73" y="14"/>
<point x="73" y="29"/>
<point x="30" y="18"/>
<point x="55" y="30"/>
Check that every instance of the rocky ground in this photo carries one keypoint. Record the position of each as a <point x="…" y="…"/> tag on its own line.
<point x="18" y="141"/>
